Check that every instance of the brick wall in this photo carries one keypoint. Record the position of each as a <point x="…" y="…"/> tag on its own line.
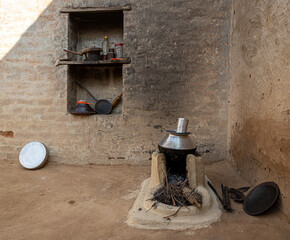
<point x="180" y="57"/>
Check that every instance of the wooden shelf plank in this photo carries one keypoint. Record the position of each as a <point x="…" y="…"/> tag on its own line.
<point x="96" y="9"/>
<point x="95" y="63"/>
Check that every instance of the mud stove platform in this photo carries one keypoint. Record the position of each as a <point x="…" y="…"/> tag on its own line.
<point x="151" y="214"/>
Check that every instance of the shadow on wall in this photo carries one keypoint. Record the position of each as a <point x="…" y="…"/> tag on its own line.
<point x="29" y="66"/>
<point x="179" y="68"/>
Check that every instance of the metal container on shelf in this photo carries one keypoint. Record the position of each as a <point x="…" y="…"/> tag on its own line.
<point x="119" y="50"/>
<point x="83" y="108"/>
<point x="111" y="53"/>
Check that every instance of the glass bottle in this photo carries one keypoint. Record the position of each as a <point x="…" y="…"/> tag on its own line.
<point x="105" y="47"/>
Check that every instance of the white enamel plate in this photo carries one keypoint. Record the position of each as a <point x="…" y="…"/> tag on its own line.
<point x="33" y="155"/>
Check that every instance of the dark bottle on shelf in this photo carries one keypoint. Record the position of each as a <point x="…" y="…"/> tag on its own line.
<point x="111" y="53"/>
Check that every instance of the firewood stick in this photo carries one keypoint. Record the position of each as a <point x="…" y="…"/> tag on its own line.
<point x="173" y="202"/>
<point x="179" y="207"/>
<point x="168" y="217"/>
<point x="181" y="203"/>
<point x="155" y="196"/>
<point x="153" y="205"/>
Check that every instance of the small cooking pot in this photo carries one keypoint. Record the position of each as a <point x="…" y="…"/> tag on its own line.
<point x="83" y="108"/>
<point x="91" y="54"/>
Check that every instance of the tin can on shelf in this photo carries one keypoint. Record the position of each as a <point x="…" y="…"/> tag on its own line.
<point x="111" y="53"/>
<point x="119" y="50"/>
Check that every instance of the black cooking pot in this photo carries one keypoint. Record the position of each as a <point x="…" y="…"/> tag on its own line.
<point x="176" y="159"/>
<point x="176" y="145"/>
<point x="83" y="108"/>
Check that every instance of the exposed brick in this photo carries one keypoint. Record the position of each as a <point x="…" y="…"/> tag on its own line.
<point x="7" y="134"/>
<point x="180" y="56"/>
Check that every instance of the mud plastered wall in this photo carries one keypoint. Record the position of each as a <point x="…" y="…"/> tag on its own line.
<point x="259" y="110"/>
<point x="179" y="68"/>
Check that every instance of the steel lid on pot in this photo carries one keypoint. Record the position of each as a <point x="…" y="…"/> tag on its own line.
<point x="178" y="139"/>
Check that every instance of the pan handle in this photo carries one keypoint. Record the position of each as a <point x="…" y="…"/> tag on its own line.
<point x="73" y="52"/>
<point x="79" y="83"/>
<point x="116" y="100"/>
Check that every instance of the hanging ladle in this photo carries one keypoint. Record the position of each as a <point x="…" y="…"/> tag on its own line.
<point x="102" y="106"/>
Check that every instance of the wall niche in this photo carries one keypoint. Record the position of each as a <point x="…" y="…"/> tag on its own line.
<point x="103" y="78"/>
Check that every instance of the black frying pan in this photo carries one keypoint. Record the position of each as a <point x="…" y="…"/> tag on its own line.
<point x="102" y="106"/>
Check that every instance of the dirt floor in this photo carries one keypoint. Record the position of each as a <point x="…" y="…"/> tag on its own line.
<point x="92" y="202"/>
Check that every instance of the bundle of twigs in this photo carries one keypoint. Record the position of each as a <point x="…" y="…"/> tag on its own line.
<point x="172" y="194"/>
<point x="176" y="194"/>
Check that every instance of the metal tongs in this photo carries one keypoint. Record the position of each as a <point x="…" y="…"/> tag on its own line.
<point x="235" y="194"/>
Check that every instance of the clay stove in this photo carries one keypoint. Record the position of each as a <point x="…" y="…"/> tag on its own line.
<point x="175" y="158"/>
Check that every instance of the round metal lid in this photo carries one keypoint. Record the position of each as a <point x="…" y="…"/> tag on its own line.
<point x="177" y="142"/>
<point x="261" y="198"/>
<point x="33" y="155"/>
